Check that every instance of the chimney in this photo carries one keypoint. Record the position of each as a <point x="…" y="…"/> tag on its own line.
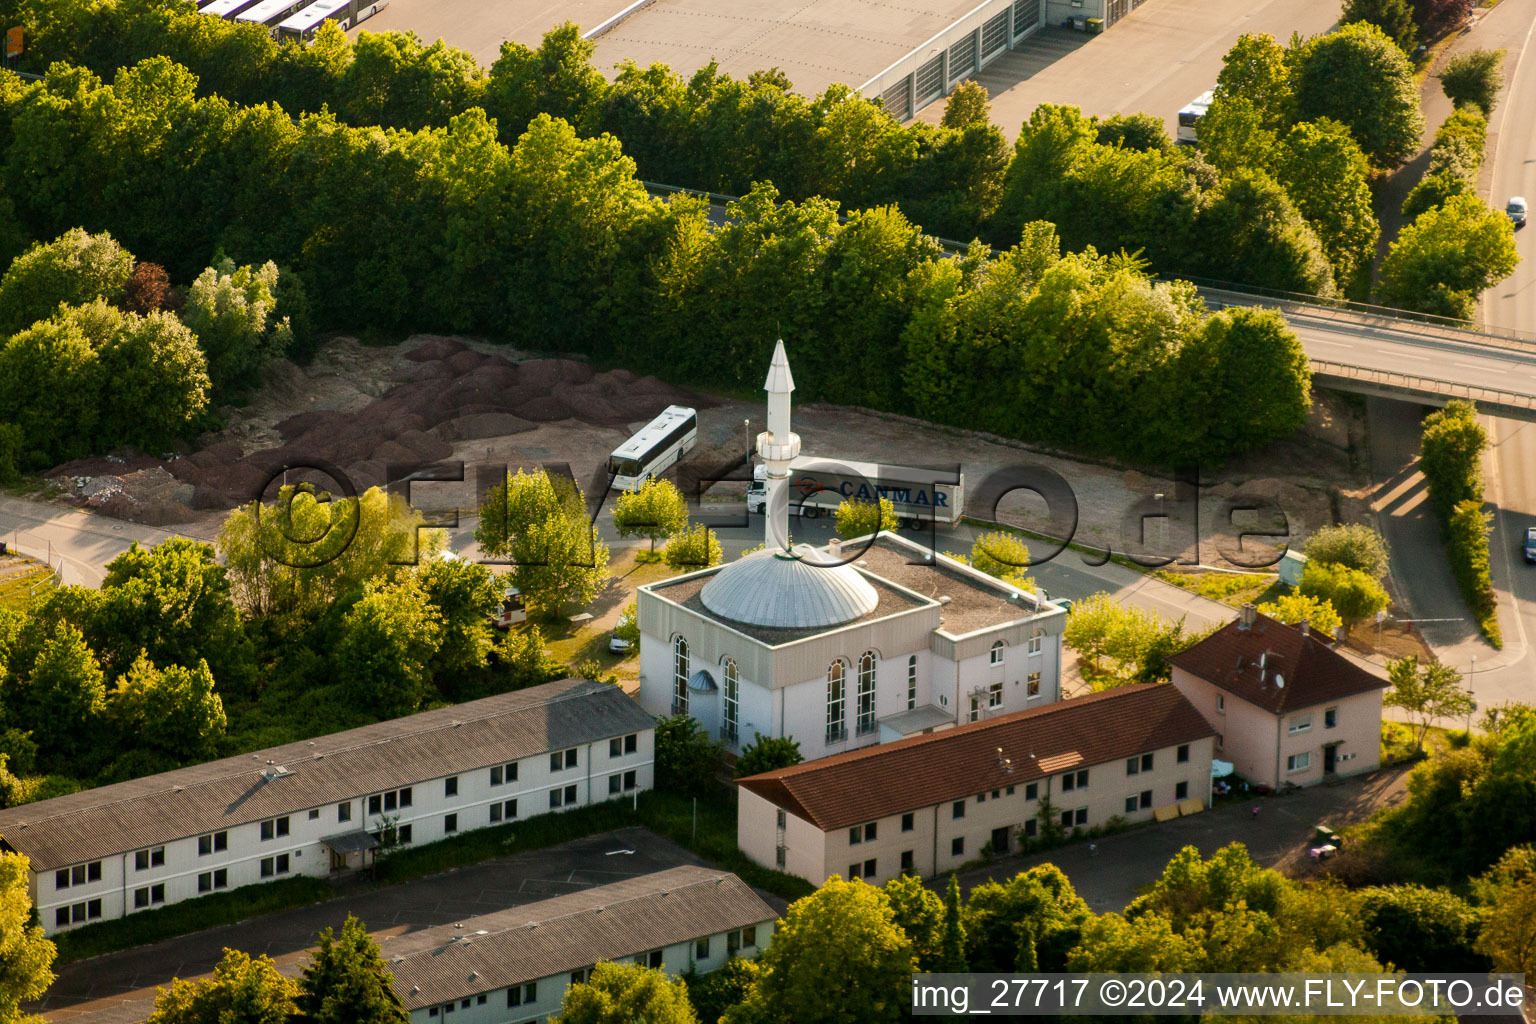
<point x="1305" y="627"/>
<point x="835" y="548"/>
<point x="1248" y="616"/>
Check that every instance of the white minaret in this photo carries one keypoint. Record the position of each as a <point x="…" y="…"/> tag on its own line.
<point x="777" y="447"/>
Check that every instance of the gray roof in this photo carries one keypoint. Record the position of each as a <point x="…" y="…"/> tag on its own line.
<point x="567" y="933"/>
<point x="776" y="589"/>
<point x="237" y="790"/>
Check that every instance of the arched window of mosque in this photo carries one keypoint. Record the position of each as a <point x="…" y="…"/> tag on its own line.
<point x="679" y="676"/>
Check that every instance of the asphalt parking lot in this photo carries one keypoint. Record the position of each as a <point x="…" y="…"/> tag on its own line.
<point x="120" y="987"/>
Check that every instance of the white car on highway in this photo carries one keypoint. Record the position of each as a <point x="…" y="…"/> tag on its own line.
<point x="1516" y="210"/>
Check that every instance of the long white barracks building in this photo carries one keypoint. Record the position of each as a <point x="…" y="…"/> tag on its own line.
<point x="843" y="646"/>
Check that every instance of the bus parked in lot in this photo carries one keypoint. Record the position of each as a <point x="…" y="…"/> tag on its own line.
<point x="658" y="445"/>
<point x="271" y="13"/>
<point x="1191" y="115"/>
<point x="228" y="8"/>
<point x="302" y="26"/>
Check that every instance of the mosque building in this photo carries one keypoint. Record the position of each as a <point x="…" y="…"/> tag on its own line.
<point x="843" y="646"/>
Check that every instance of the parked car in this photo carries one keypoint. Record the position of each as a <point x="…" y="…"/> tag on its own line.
<point x="618" y="645"/>
<point x="1516" y="210"/>
<point x="1530" y="544"/>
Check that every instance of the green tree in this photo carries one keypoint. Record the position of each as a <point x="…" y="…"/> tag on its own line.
<point x="13" y="452"/>
<point x="557" y="79"/>
<point x="1040" y="902"/>
<point x="173" y="710"/>
<point x="1134" y="131"/>
<point x="1234" y="135"/>
<point x="543" y="528"/>
<point x="686" y="760"/>
<point x="1263" y="238"/>
<point x="1352" y="593"/>
<point x="844" y="939"/>
<point x="655" y="511"/>
<point x="387" y="643"/>
<point x="1142" y="944"/>
<point x="1249" y="362"/>
<point x="1427" y="693"/>
<point x="967" y="106"/>
<point x="1466" y="543"/>
<point x="921" y="916"/>
<point x="714" y="993"/>
<point x="26" y="958"/>
<point x="241" y="991"/>
<point x="50" y="388"/>
<point x="1353" y="544"/>
<point x="694" y="548"/>
<point x="625" y="993"/>
<point x="1444" y="260"/>
<point x="73" y="269"/>
<point x="1003" y="555"/>
<point x="1415" y="928"/>
<point x="465" y="595"/>
<point x="1360" y="78"/>
<point x="232" y="310"/>
<point x="1327" y="177"/>
<point x="521" y="661"/>
<point x="1433" y="190"/>
<point x="1123" y="644"/>
<point x="1451" y="456"/>
<point x="1474" y="79"/>
<point x="1508" y="933"/>
<point x="64" y="695"/>
<point x="1256" y="70"/>
<point x="346" y="982"/>
<point x="1393" y="17"/>
<point x="1292" y="608"/>
<point x="628" y="626"/>
<point x="951" y="956"/>
<point x="766" y="754"/>
<point x="154" y="382"/>
<point x="861" y="518"/>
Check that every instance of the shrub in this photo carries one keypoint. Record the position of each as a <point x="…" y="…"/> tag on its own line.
<point x="686" y="760"/>
<point x="1450" y="456"/>
<point x="73" y="269"/>
<point x="1354" y="544"/>
<point x="694" y="548"/>
<point x="767" y="753"/>
<point x="1393" y="17"/>
<point x="1292" y="608"/>
<point x="1474" y="79"/>
<point x="1352" y="593"/>
<point x="1467" y="546"/>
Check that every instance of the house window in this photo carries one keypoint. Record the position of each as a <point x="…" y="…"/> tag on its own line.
<point x="1132" y="765"/>
<point x="208" y="881"/>
<point x="1130" y="805"/>
<point x="383" y="803"/>
<point x="1146" y="799"/>
<point x="157" y="893"/>
<point x="1031" y="828"/>
<point x="1221" y="702"/>
<point x="908" y="821"/>
<point x="1009" y="791"/>
<point x="869" y="868"/>
<point x="995" y="655"/>
<point x="906" y="860"/>
<point x="783" y="818"/>
<point x="836" y="729"/>
<point x="503" y="773"/>
<point x="866" y="693"/>
<point x="1183" y="754"/>
<point x="1032" y="791"/>
<point x="403" y="834"/>
<point x="912" y="682"/>
<point x="732" y="943"/>
<point x="279" y="865"/>
<point x="749" y="937"/>
<point x="995" y="695"/>
<point x="1146" y="762"/>
<point x="732" y="702"/>
<point x="1298" y="762"/>
<point x="1032" y="684"/>
<point x="1036" y="641"/>
<point x="520" y="995"/>
<point x="1302" y="723"/>
<point x="1218" y="741"/>
<point x="975" y="715"/>
<point x="562" y="797"/>
<point x="151" y="858"/>
<point x="451" y="786"/>
<point x="1331" y="718"/>
<point x="506" y="809"/>
<point x="855" y="835"/>
<point x="344" y="811"/>
<point x="560" y="760"/>
<point x="679" y="676"/>
<point x="1074" y="781"/>
<point x="314" y="813"/>
<point x="853" y="871"/>
<point x="957" y="846"/>
<point x="268" y="829"/>
<point x="450" y="824"/>
<point x="141" y="898"/>
<point x="80" y="874"/>
<point x="1077" y="817"/>
<point x="958" y="810"/>
<point x="869" y="832"/>
<point x="701" y="949"/>
<point x="1181" y="791"/>
<point x="215" y="842"/>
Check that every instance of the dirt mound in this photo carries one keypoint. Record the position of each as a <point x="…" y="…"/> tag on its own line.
<point x="107" y="465"/>
<point x="482" y="424"/>
<point x="436" y="349"/>
<point x="466" y="361"/>
<point x="546" y="373"/>
<point x="304" y="422"/>
<point x="545" y="410"/>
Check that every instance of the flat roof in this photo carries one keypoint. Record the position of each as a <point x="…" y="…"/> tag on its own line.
<point x="815" y="44"/>
<point x="234" y="791"/>
<point x="480" y="26"/>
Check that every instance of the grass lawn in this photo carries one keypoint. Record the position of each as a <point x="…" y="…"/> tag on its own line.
<point x="21" y="581"/>
<point x="1230" y="588"/>
<point x="575" y="642"/>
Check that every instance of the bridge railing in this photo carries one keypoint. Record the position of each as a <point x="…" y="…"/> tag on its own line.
<point x="1429" y="386"/>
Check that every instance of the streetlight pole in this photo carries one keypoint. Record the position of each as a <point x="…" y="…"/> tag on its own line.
<point x="1471" y="678"/>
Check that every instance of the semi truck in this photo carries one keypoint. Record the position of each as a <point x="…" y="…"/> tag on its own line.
<point x="820" y="485"/>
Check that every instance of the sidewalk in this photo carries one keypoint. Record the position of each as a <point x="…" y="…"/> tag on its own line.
<point x="78" y="544"/>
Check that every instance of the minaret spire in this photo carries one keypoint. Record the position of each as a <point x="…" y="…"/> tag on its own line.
<point x="777" y="446"/>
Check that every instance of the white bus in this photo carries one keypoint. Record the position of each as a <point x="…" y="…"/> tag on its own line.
<point x="271" y="13"/>
<point x="227" y="8"/>
<point x="1191" y="115"/>
<point x="302" y="26"/>
<point x="659" y="444"/>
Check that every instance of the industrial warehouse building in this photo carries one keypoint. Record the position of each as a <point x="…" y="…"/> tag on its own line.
<point x="842" y="647"/>
<point x="513" y="966"/>
<point x="928" y="804"/>
<point x="322" y="806"/>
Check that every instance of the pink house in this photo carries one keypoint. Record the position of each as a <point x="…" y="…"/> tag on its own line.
<point x="1286" y="707"/>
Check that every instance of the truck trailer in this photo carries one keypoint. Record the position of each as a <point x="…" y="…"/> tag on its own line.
<point x="819" y="485"/>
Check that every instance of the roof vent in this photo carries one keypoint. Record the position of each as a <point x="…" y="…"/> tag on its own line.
<point x="277" y="771"/>
<point x="458" y="924"/>
<point x="1248" y="616"/>
<point x="481" y="931"/>
<point x="863" y="563"/>
<point x="835" y="547"/>
<point x="474" y="975"/>
<point x="1305" y="627"/>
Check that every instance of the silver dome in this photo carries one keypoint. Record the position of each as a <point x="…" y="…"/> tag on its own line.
<point x="773" y="588"/>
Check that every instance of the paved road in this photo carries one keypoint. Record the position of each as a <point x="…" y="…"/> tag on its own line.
<point x="120" y="987"/>
<point x="1278" y="838"/>
<point x="77" y="543"/>
<point x="1157" y="59"/>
